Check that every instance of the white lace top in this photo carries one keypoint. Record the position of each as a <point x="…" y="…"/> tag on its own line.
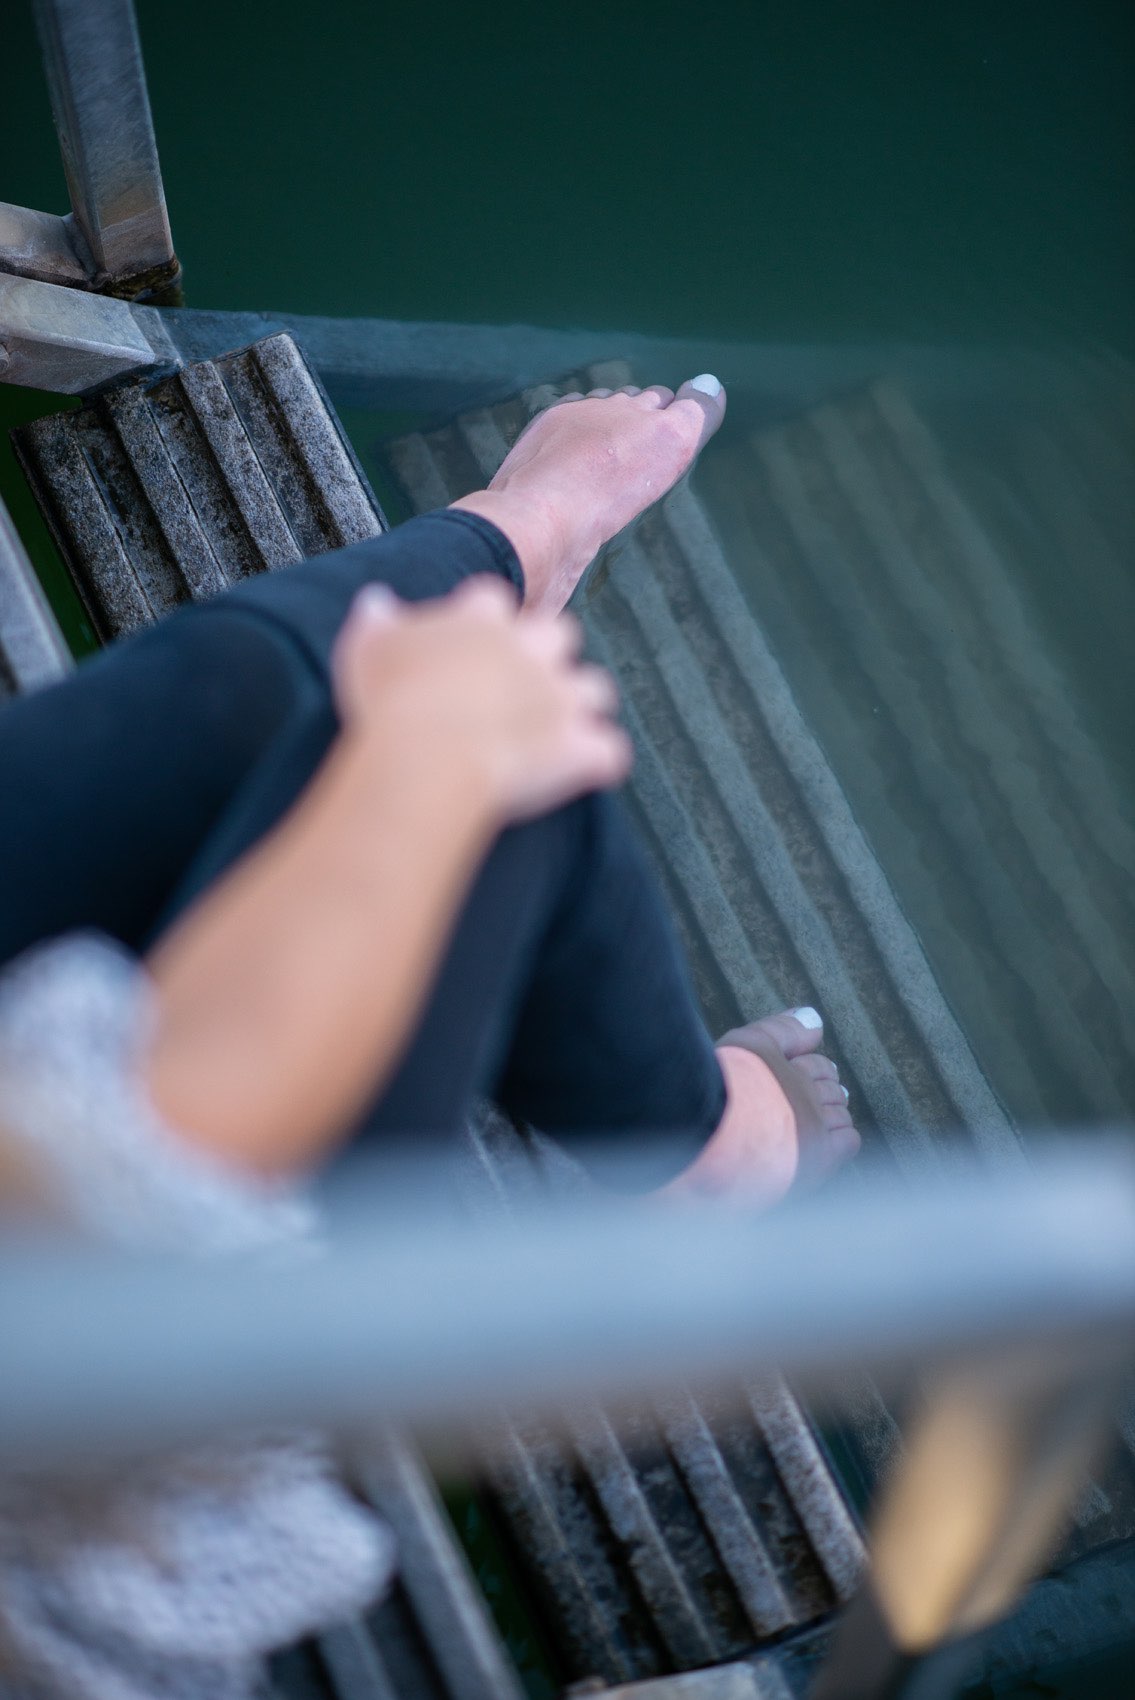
<point x="173" y="1579"/>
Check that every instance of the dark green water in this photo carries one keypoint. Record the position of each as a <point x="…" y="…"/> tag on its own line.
<point x="959" y="177"/>
<point x="806" y="173"/>
<point x="761" y="171"/>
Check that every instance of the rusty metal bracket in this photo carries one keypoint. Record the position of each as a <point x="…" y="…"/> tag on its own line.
<point x="116" y="240"/>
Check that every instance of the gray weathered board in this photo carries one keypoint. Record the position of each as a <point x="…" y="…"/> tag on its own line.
<point x="694" y="1537"/>
<point x="681" y="1536"/>
<point x="158" y="495"/>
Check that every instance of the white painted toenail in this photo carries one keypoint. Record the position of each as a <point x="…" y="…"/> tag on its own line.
<point x="706" y="383"/>
<point x="808" y="1017"/>
<point x="846" y="1094"/>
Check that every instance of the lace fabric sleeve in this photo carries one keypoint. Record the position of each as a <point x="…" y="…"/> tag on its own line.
<point x="171" y="1578"/>
<point x="76" y="1016"/>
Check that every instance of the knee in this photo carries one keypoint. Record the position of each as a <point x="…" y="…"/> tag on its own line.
<point x="567" y="850"/>
<point x="569" y="832"/>
<point x="244" y="673"/>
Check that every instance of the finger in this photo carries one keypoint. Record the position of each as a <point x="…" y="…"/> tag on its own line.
<point x="596" y="690"/>
<point x="485" y="596"/>
<point x="551" y="638"/>
<point x="375" y="605"/>
<point x="372" y="614"/>
<point x="613" y="756"/>
<point x="600" y="756"/>
<point x="594" y="757"/>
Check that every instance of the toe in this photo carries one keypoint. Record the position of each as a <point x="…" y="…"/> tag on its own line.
<point x="572" y="395"/>
<point x="794" y="1032"/>
<point x="831" y="1094"/>
<point x="655" y="395"/>
<point x="598" y="395"/>
<point x="708" y="394"/>
<point x="843" y="1142"/>
<point x="631" y="389"/>
<point x="840" y="1145"/>
<point x="817" y="1066"/>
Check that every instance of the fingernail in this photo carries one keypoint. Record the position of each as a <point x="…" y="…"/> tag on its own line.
<point x="706" y="383"/>
<point x="375" y="601"/>
<point x="808" y="1017"/>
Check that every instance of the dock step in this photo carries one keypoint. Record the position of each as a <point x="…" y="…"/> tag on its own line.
<point x="678" y="1538"/>
<point x="779" y="894"/>
<point x="158" y="494"/>
<point x="781" y="899"/>
<point x="940" y="701"/>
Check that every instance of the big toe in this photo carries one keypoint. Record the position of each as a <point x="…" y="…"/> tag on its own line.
<point x="793" y="1031"/>
<point x="708" y="394"/>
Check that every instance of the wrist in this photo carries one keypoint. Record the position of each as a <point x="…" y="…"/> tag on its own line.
<point x="393" y="781"/>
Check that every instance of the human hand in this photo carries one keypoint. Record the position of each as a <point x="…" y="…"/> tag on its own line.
<point x="465" y="680"/>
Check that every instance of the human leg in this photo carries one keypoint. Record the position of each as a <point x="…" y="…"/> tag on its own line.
<point x="302" y="610"/>
<point x="563" y="996"/>
<point x="114" y="779"/>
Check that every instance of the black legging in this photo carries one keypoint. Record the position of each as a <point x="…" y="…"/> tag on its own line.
<point x="131" y="785"/>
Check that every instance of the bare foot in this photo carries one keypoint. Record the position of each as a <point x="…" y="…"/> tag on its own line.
<point x="786" y="1118"/>
<point x="584" y="468"/>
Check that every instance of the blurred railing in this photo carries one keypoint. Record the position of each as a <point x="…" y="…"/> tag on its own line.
<point x="1014" y="1293"/>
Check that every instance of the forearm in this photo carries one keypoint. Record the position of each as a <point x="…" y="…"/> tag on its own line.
<point x="288" y="992"/>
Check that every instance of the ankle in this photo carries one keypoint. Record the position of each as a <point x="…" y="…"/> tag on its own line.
<point x="752" y="1157"/>
<point x="535" y="528"/>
